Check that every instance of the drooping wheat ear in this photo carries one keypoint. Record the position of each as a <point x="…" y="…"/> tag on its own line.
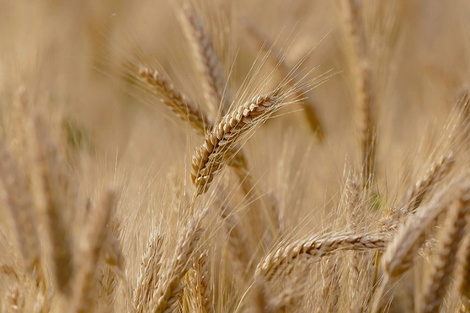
<point x="207" y="61"/>
<point x="170" y="285"/>
<point x="50" y="202"/>
<point x="416" y="193"/>
<point x="17" y="199"/>
<point x="436" y="172"/>
<point x="148" y="279"/>
<point x="316" y="247"/>
<point x="89" y="253"/>
<point x="179" y="103"/>
<point x="186" y="110"/>
<point x="275" y="57"/>
<point x="200" y="282"/>
<point x="400" y="253"/>
<point x="444" y="261"/>
<point x="364" y="90"/>
<point x="209" y="158"/>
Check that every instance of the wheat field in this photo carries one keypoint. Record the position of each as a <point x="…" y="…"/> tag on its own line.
<point x="234" y="156"/>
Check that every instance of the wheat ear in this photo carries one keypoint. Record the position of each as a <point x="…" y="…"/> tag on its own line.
<point x="443" y="263"/>
<point x="316" y="247"/>
<point x="463" y="106"/>
<point x="359" y="262"/>
<point x="207" y="61"/>
<point x="170" y="287"/>
<point x="201" y="291"/>
<point x="330" y="290"/>
<point x="399" y="255"/>
<point x="17" y="199"/>
<point x="416" y="193"/>
<point x="186" y="110"/>
<point x="364" y="91"/>
<point x="148" y="279"/>
<point x="284" y="70"/>
<point x="209" y="158"/>
<point x="90" y="249"/>
<point x="179" y="103"/>
<point x="49" y="202"/>
<point x="462" y="274"/>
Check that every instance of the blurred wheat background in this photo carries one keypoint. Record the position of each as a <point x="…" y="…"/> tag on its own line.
<point x="234" y="156"/>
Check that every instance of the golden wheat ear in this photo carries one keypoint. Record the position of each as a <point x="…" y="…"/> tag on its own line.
<point x="462" y="273"/>
<point x="170" y="284"/>
<point x="188" y="111"/>
<point x="444" y="262"/>
<point x="209" y="158"/>
<point x="200" y="288"/>
<point x="213" y="81"/>
<point x="17" y="199"/>
<point x="149" y="274"/>
<point x="90" y="249"/>
<point x="315" y="247"/>
<point x="50" y="200"/>
<point x="400" y="253"/>
<point x="417" y="192"/>
<point x="185" y="108"/>
<point x="365" y="102"/>
<point x="309" y="106"/>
